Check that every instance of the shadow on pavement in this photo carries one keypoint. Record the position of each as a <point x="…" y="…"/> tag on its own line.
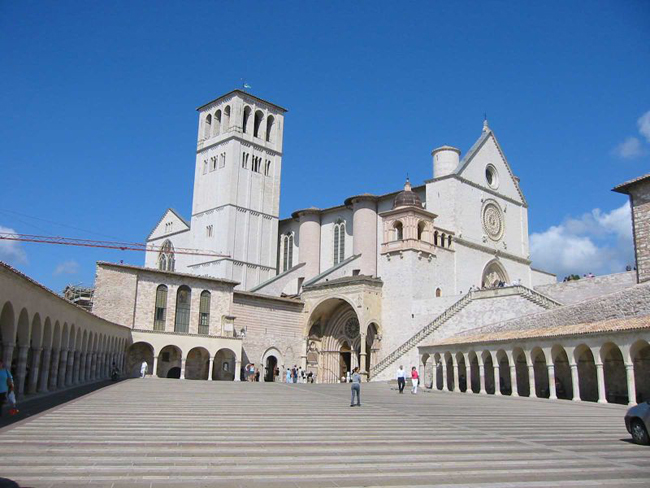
<point x="34" y="406"/>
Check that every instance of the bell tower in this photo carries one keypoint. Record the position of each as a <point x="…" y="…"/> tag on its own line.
<point x="236" y="200"/>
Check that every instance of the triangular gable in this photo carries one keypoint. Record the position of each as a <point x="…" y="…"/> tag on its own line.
<point x="487" y="136"/>
<point x="180" y="225"/>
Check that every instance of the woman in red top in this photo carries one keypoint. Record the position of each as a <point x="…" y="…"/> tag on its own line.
<point x="415" y="378"/>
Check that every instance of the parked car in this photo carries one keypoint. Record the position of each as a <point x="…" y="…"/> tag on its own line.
<point x="637" y="422"/>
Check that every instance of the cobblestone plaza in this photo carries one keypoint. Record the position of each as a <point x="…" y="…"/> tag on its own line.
<point x="159" y="432"/>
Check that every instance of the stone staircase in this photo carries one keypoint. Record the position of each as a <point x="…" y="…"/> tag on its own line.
<point x="537" y="298"/>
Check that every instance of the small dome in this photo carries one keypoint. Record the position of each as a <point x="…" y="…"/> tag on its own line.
<point x="407" y="198"/>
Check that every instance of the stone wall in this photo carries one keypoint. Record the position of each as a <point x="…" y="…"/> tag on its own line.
<point x="640" y="199"/>
<point x="569" y="292"/>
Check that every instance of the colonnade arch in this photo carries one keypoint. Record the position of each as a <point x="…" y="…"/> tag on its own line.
<point x="603" y="370"/>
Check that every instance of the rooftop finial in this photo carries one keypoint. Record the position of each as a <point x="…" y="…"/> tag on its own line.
<point x="407" y="185"/>
<point x="485" y="123"/>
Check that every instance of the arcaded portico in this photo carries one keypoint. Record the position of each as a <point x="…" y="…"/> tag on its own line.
<point x="605" y="362"/>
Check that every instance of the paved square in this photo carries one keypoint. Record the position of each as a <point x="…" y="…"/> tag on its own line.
<point x="158" y="432"/>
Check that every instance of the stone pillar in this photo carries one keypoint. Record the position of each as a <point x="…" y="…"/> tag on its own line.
<point x="364" y="224"/>
<point x="210" y="368"/>
<point x="69" y="369"/>
<point x="93" y="366"/>
<point x="77" y="368"/>
<point x="531" y="381"/>
<point x="445" y="386"/>
<point x="21" y="370"/>
<point x="89" y="366"/>
<point x="551" y="381"/>
<point x="45" y="370"/>
<point x="362" y="356"/>
<point x="456" y="378"/>
<point x="8" y="353"/>
<point x="497" y="380"/>
<point x="575" y="381"/>
<point x="237" y="370"/>
<point x="600" y="374"/>
<point x="468" y="377"/>
<point x="154" y="368"/>
<point x="54" y="369"/>
<point x="481" y="368"/>
<point x="82" y="367"/>
<point x="309" y="251"/>
<point x="34" y="370"/>
<point x="513" y="380"/>
<point x="631" y="386"/>
<point x="183" y="368"/>
<point x="63" y="364"/>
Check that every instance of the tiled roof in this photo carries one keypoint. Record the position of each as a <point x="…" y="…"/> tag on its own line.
<point x="622" y="188"/>
<point x="613" y="325"/>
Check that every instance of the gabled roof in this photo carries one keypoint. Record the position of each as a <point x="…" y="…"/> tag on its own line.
<point x="187" y="224"/>
<point x="625" y="187"/>
<point x="475" y="149"/>
<point x="242" y="94"/>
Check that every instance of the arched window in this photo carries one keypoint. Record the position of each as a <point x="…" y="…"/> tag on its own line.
<point x="438" y="292"/>
<point x="398" y="230"/>
<point x="435" y="238"/>
<point x="217" y="123"/>
<point x="183" y="298"/>
<point x="443" y="237"/>
<point x="226" y="118"/>
<point x="448" y="241"/>
<point x="247" y="115"/>
<point x="204" y="313"/>
<point x="270" y="129"/>
<point x="259" y="116"/>
<point x="339" y="241"/>
<point x="267" y="168"/>
<point x="207" y="128"/>
<point x="421" y="228"/>
<point x="287" y="252"/>
<point x="166" y="257"/>
<point x="160" y="311"/>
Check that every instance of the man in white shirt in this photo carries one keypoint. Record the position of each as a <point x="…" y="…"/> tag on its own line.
<point x="401" y="381"/>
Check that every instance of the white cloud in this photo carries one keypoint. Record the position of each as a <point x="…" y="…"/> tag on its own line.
<point x="644" y="125"/>
<point x="598" y="242"/>
<point x="11" y="252"/>
<point x="630" y="148"/>
<point x="67" y="267"/>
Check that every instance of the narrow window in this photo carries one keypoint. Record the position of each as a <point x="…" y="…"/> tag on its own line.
<point x="204" y="313"/>
<point x="208" y="230"/>
<point x="438" y="292"/>
<point x="421" y="227"/>
<point x="247" y="115"/>
<point x="442" y="240"/>
<point x="183" y="297"/>
<point x="166" y="256"/>
<point x="399" y="231"/>
<point x="259" y="116"/>
<point x="290" y="251"/>
<point x="244" y="160"/>
<point x="226" y="118"/>
<point x="435" y="238"/>
<point x="267" y="168"/>
<point x="270" y="128"/>
<point x="161" y="308"/>
<point x="217" y="123"/>
<point x="207" y="128"/>
<point x="213" y="163"/>
<point x="285" y="252"/>
<point x="222" y="162"/>
<point x="448" y="241"/>
<point x="339" y="241"/>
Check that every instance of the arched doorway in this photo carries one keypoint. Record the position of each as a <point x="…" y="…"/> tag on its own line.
<point x="493" y="273"/>
<point x="197" y="364"/>
<point x="437" y="365"/>
<point x="489" y="372"/>
<point x="614" y="372"/>
<point x="345" y="361"/>
<point x="136" y="354"/>
<point x="224" y="365"/>
<point x="521" y="369"/>
<point x="169" y="358"/>
<point x="269" y="368"/>
<point x="563" y="381"/>
<point x="640" y="352"/>
<point x="587" y="376"/>
<point x="462" y="372"/>
<point x="541" y="373"/>
<point x="475" y="380"/>
<point x="449" y="363"/>
<point x="505" y="383"/>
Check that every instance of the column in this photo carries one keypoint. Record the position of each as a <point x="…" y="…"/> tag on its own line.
<point x="75" y="374"/>
<point x="54" y="369"/>
<point x="575" y="380"/>
<point x="21" y="370"/>
<point x="531" y="380"/>
<point x="45" y="370"/>
<point x="445" y="386"/>
<point x="154" y="368"/>
<point x="468" y="377"/>
<point x="551" y="381"/>
<point x="362" y="357"/>
<point x="600" y="373"/>
<point x="183" y="368"/>
<point x="631" y="387"/>
<point x="513" y="380"/>
<point x="210" y="368"/>
<point x="456" y="377"/>
<point x="481" y="369"/>
<point x="69" y="368"/>
<point x="93" y="366"/>
<point x="237" y="370"/>
<point x="497" y="380"/>
<point x="34" y="370"/>
<point x="82" y="367"/>
<point x="63" y="364"/>
<point x="8" y="353"/>
<point x="89" y="362"/>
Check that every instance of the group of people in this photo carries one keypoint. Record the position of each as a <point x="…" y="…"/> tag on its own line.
<point x="251" y="372"/>
<point x="299" y="375"/>
<point x="401" y="380"/>
<point x="355" y="379"/>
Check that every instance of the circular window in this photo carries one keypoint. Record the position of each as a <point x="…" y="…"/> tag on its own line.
<point x="352" y="328"/>
<point x="491" y="176"/>
<point x="493" y="220"/>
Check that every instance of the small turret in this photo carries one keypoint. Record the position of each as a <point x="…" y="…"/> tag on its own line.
<point x="445" y="161"/>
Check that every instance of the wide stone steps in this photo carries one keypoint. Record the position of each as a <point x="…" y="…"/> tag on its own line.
<point x="199" y="434"/>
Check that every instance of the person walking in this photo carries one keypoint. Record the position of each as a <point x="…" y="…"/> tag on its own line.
<point x="415" y="379"/>
<point x="6" y="384"/>
<point x="356" y="387"/>
<point x="401" y="381"/>
<point x="143" y="369"/>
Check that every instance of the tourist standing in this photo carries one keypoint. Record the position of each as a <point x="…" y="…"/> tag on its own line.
<point x="356" y="387"/>
<point x="288" y="375"/>
<point x="400" y="379"/>
<point x="6" y="384"/>
<point x="415" y="379"/>
<point x="143" y="369"/>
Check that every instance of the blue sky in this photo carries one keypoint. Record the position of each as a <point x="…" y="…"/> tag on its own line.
<point x="98" y="125"/>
